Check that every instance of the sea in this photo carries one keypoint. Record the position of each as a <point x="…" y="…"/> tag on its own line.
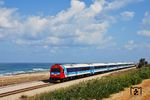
<point x="7" y="69"/>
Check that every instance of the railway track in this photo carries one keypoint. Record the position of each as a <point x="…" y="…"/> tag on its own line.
<point x="23" y="90"/>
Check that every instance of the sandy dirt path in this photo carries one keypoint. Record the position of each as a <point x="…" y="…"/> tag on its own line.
<point x="125" y="95"/>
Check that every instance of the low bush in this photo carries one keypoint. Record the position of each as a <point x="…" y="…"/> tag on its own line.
<point x="144" y="72"/>
<point x="98" y="88"/>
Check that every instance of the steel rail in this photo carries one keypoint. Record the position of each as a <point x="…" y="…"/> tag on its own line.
<point x="23" y="90"/>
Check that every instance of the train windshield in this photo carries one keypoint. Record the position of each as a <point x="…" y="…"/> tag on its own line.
<point x="55" y="70"/>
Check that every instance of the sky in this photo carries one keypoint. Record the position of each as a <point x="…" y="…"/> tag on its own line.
<point x="74" y="31"/>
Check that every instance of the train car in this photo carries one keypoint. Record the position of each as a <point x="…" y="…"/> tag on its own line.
<point x="65" y="71"/>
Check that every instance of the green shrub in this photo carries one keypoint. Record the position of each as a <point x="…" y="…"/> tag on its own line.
<point x="144" y="73"/>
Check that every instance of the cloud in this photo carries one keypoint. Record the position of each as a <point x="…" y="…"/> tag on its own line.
<point x="75" y="26"/>
<point x="79" y="25"/>
<point x="127" y="15"/>
<point x="130" y="45"/>
<point x="53" y="41"/>
<point x="6" y="18"/>
<point x="117" y="4"/>
<point x="35" y="25"/>
<point x="146" y="19"/>
<point x="145" y="31"/>
<point x="9" y="22"/>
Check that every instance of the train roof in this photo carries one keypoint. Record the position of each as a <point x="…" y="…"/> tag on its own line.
<point x="93" y="64"/>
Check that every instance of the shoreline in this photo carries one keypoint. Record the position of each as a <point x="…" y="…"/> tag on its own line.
<point x="23" y="77"/>
<point x="34" y="70"/>
<point x="23" y="73"/>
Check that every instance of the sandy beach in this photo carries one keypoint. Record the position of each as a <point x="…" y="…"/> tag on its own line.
<point x="21" y="78"/>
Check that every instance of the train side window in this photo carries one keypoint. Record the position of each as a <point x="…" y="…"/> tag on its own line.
<point x="78" y="69"/>
<point x="99" y="67"/>
<point x="71" y="69"/>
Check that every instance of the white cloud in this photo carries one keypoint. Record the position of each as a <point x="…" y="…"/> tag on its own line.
<point x="96" y="7"/>
<point x="130" y="45"/>
<point x="22" y="42"/>
<point x="117" y="4"/>
<point x="134" y="45"/>
<point x="9" y="22"/>
<point x="145" y="31"/>
<point x="6" y="18"/>
<point x="52" y="41"/>
<point x="77" y="6"/>
<point x="146" y="19"/>
<point x="92" y="34"/>
<point x="127" y="15"/>
<point x="35" y="25"/>
<point x="78" y="25"/>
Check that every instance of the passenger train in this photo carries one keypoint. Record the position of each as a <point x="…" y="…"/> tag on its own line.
<point x="66" y="71"/>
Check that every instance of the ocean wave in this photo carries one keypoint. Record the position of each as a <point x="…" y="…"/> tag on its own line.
<point x="18" y="72"/>
<point x="39" y="69"/>
<point x="1" y="75"/>
<point x="23" y="72"/>
<point x="6" y="74"/>
<point x="13" y="73"/>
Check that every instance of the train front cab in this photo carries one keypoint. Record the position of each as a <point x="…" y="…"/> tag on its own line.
<point x="56" y="73"/>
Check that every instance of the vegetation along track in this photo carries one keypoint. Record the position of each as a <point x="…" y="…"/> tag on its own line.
<point x="23" y="90"/>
